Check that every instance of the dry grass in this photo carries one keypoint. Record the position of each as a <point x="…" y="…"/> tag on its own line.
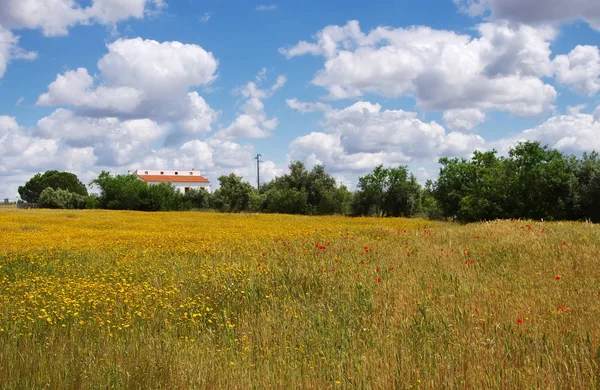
<point x="98" y="299"/>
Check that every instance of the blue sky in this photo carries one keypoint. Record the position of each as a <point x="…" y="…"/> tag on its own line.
<point x="89" y="85"/>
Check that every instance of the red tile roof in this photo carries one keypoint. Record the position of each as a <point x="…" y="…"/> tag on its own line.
<point x="173" y="179"/>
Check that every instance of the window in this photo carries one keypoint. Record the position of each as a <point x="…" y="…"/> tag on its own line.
<point x="191" y="173"/>
<point x="146" y="172"/>
<point x="177" y="173"/>
<point x="162" y="173"/>
<point x="187" y="189"/>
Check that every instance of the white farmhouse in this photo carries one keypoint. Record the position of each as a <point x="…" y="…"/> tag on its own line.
<point x="182" y="180"/>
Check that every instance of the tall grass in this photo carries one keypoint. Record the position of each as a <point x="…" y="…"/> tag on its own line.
<point x="98" y="299"/>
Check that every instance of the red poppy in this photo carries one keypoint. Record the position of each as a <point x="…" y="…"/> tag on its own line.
<point x="564" y="243"/>
<point x="557" y="277"/>
<point x="378" y="280"/>
<point x="519" y="321"/>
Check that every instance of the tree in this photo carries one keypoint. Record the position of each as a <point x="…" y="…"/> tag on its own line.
<point x="32" y="190"/>
<point x="127" y="192"/>
<point x="388" y="192"/>
<point x="198" y="198"/>
<point x="120" y="192"/>
<point x="233" y="194"/>
<point x="304" y="192"/>
<point x="533" y="182"/>
<point x="540" y="182"/>
<point x="61" y="199"/>
<point x="587" y="187"/>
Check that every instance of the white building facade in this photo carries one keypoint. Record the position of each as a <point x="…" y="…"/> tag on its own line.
<point x="182" y="180"/>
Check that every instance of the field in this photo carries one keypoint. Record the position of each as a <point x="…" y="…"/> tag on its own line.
<point x="99" y="299"/>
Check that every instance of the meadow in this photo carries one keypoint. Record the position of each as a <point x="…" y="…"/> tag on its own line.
<point x="113" y="299"/>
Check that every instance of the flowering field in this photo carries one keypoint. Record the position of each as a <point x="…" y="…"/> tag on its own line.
<point x="99" y="299"/>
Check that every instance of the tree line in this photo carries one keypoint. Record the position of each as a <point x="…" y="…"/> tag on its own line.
<point x="532" y="182"/>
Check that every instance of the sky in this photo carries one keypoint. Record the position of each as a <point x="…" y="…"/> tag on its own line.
<point x="93" y="85"/>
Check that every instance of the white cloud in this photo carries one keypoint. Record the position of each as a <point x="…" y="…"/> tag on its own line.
<point x="535" y="11"/>
<point x="114" y="142"/>
<point x="55" y="17"/>
<point x="157" y="68"/>
<point x="142" y="79"/>
<point x="463" y="120"/>
<point x="574" y="110"/>
<point x="22" y="151"/>
<point x="500" y="70"/>
<point x="76" y="88"/>
<point x="596" y="114"/>
<point x="7" y="124"/>
<point x="266" y="7"/>
<point x="305" y="107"/>
<point x="579" y="69"/>
<point x="569" y="133"/>
<point x="253" y="122"/>
<point x="362" y="136"/>
<point x="10" y="49"/>
<point x="87" y="145"/>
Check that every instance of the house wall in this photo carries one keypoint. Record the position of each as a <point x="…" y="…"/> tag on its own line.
<point x="181" y="186"/>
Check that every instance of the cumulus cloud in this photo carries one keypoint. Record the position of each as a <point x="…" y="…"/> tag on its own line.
<point x="252" y="121"/>
<point x="7" y="124"/>
<point x="87" y="145"/>
<point x="55" y="17"/>
<point x="463" y="120"/>
<point x="24" y="151"/>
<point x="574" y="110"/>
<point x="10" y="49"/>
<point x="362" y="136"/>
<point x="575" y="133"/>
<point x="142" y="79"/>
<point x="580" y="69"/>
<point x="76" y="88"/>
<point x="535" y="11"/>
<point x="157" y="67"/>
<point x="114" y="142"/>
<point x="500" y="70"/>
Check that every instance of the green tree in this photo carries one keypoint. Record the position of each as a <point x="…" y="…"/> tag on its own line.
<point x="127" y="192"/>
<point x="233" y="194"/>
<point x="388" y="192"/>
<point x="540" y="182"/>
<point x="61" y="199"/>
<point x="198" y="198"/>
<point x="31" y="191"/>
<point x="587" y="187"/>
<point x="120" y="192"/>
<point x="305" y="192"/>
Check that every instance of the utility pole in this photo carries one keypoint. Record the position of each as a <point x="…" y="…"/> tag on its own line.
<point x="258" y="161"/>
